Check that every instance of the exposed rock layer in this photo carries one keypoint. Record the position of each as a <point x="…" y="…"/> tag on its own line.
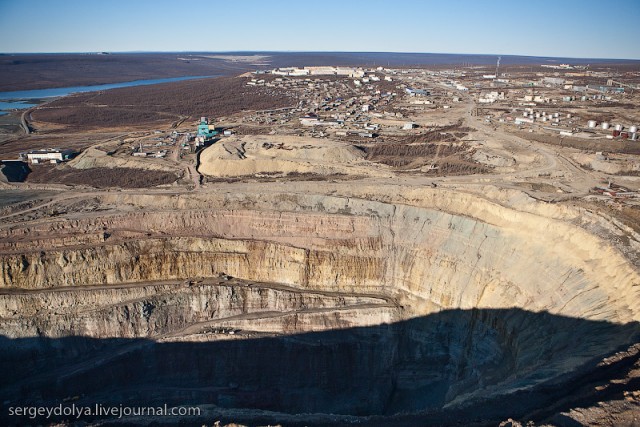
<point x="499" y="299"/>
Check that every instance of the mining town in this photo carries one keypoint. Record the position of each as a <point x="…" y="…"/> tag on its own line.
<point x="319" y="238"/>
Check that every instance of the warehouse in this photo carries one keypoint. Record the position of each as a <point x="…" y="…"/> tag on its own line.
<point x="52" y="155"/>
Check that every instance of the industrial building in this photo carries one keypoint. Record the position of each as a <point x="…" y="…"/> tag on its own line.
<point x="206" y="130"/>
<point x="491" y="97"/>
<point x="51" y="155"/>
<point x="320" y="71"/>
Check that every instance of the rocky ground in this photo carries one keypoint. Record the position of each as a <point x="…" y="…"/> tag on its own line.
<point x="372" y="294"/>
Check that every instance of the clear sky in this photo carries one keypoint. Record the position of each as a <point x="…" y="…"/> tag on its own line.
<point x="568" y="28"/>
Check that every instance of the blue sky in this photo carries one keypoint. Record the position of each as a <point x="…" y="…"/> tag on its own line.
<point x="568" y="28"/>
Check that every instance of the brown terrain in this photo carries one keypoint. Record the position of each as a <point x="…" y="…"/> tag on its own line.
<point x="324" y="264"/>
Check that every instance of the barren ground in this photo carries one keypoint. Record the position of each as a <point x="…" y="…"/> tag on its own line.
<point x="463" y="272"/>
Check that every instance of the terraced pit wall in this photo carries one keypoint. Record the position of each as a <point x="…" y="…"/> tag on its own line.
<point x="437" y="302"/>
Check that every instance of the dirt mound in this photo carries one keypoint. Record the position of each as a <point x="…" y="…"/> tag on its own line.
<point x="262" y="154"/>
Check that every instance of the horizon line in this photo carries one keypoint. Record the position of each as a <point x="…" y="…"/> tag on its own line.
<point x="97" y="52"/>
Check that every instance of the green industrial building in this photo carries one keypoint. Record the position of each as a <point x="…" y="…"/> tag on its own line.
<point x="206" y="129"/>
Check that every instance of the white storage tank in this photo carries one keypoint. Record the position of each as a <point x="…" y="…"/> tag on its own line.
<point x="605" y="125"/>
<point x="525" y="114"/>
<point x="633" y="129"/>
<point x="569" y="116"/>
<point x="556" y="115"/>
<point x="619" y="127"/>
<point x="591" y="123"/>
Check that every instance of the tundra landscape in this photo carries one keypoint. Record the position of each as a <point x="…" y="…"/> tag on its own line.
<point x="310" y="239"/>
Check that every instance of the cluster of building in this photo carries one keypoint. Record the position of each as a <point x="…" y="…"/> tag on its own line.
<point x="154" y="147"/>
<point x="417" y="92"/>
<point x="558" y="67"/>
<point x="569" y="125"/>
<point x="157" y="154"/>
<point x="617" y="131"/>
<point x="319" y="71"/>
<point x="186" y="142"/>
<point x="364" y="107"/>
<point x="456" y="85"/>
<point x="352" y="105"/>
<point x="491" y="97"/>
<point x="616" y="192"/>
<point x="345" y="104"/>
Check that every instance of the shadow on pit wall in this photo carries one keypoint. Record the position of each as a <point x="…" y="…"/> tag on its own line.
<point x="391" y="374"/>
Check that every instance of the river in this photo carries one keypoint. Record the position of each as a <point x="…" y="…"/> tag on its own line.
<point x="20" y="99"/>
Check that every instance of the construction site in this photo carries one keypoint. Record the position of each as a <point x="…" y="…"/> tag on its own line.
<point x="339" y="245"/>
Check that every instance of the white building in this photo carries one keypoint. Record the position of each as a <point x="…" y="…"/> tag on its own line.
<point x="50" y="155"/>
<point x="491" y="97"/>
<point x="521" y="120"/>
<point x="536" y="98"/>
<point x="297" y="72"/>
<point x="291" y="71"/>
<point x="318" y="71"/>
<point x="349" y="72"/>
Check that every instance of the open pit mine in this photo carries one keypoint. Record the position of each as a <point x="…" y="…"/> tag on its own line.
<point x="263" y="303"/>
<point x="408" y="250"/>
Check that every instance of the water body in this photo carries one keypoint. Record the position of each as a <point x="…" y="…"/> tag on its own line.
<point x="14" y="105"/>
<point x="15" y="100"/>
